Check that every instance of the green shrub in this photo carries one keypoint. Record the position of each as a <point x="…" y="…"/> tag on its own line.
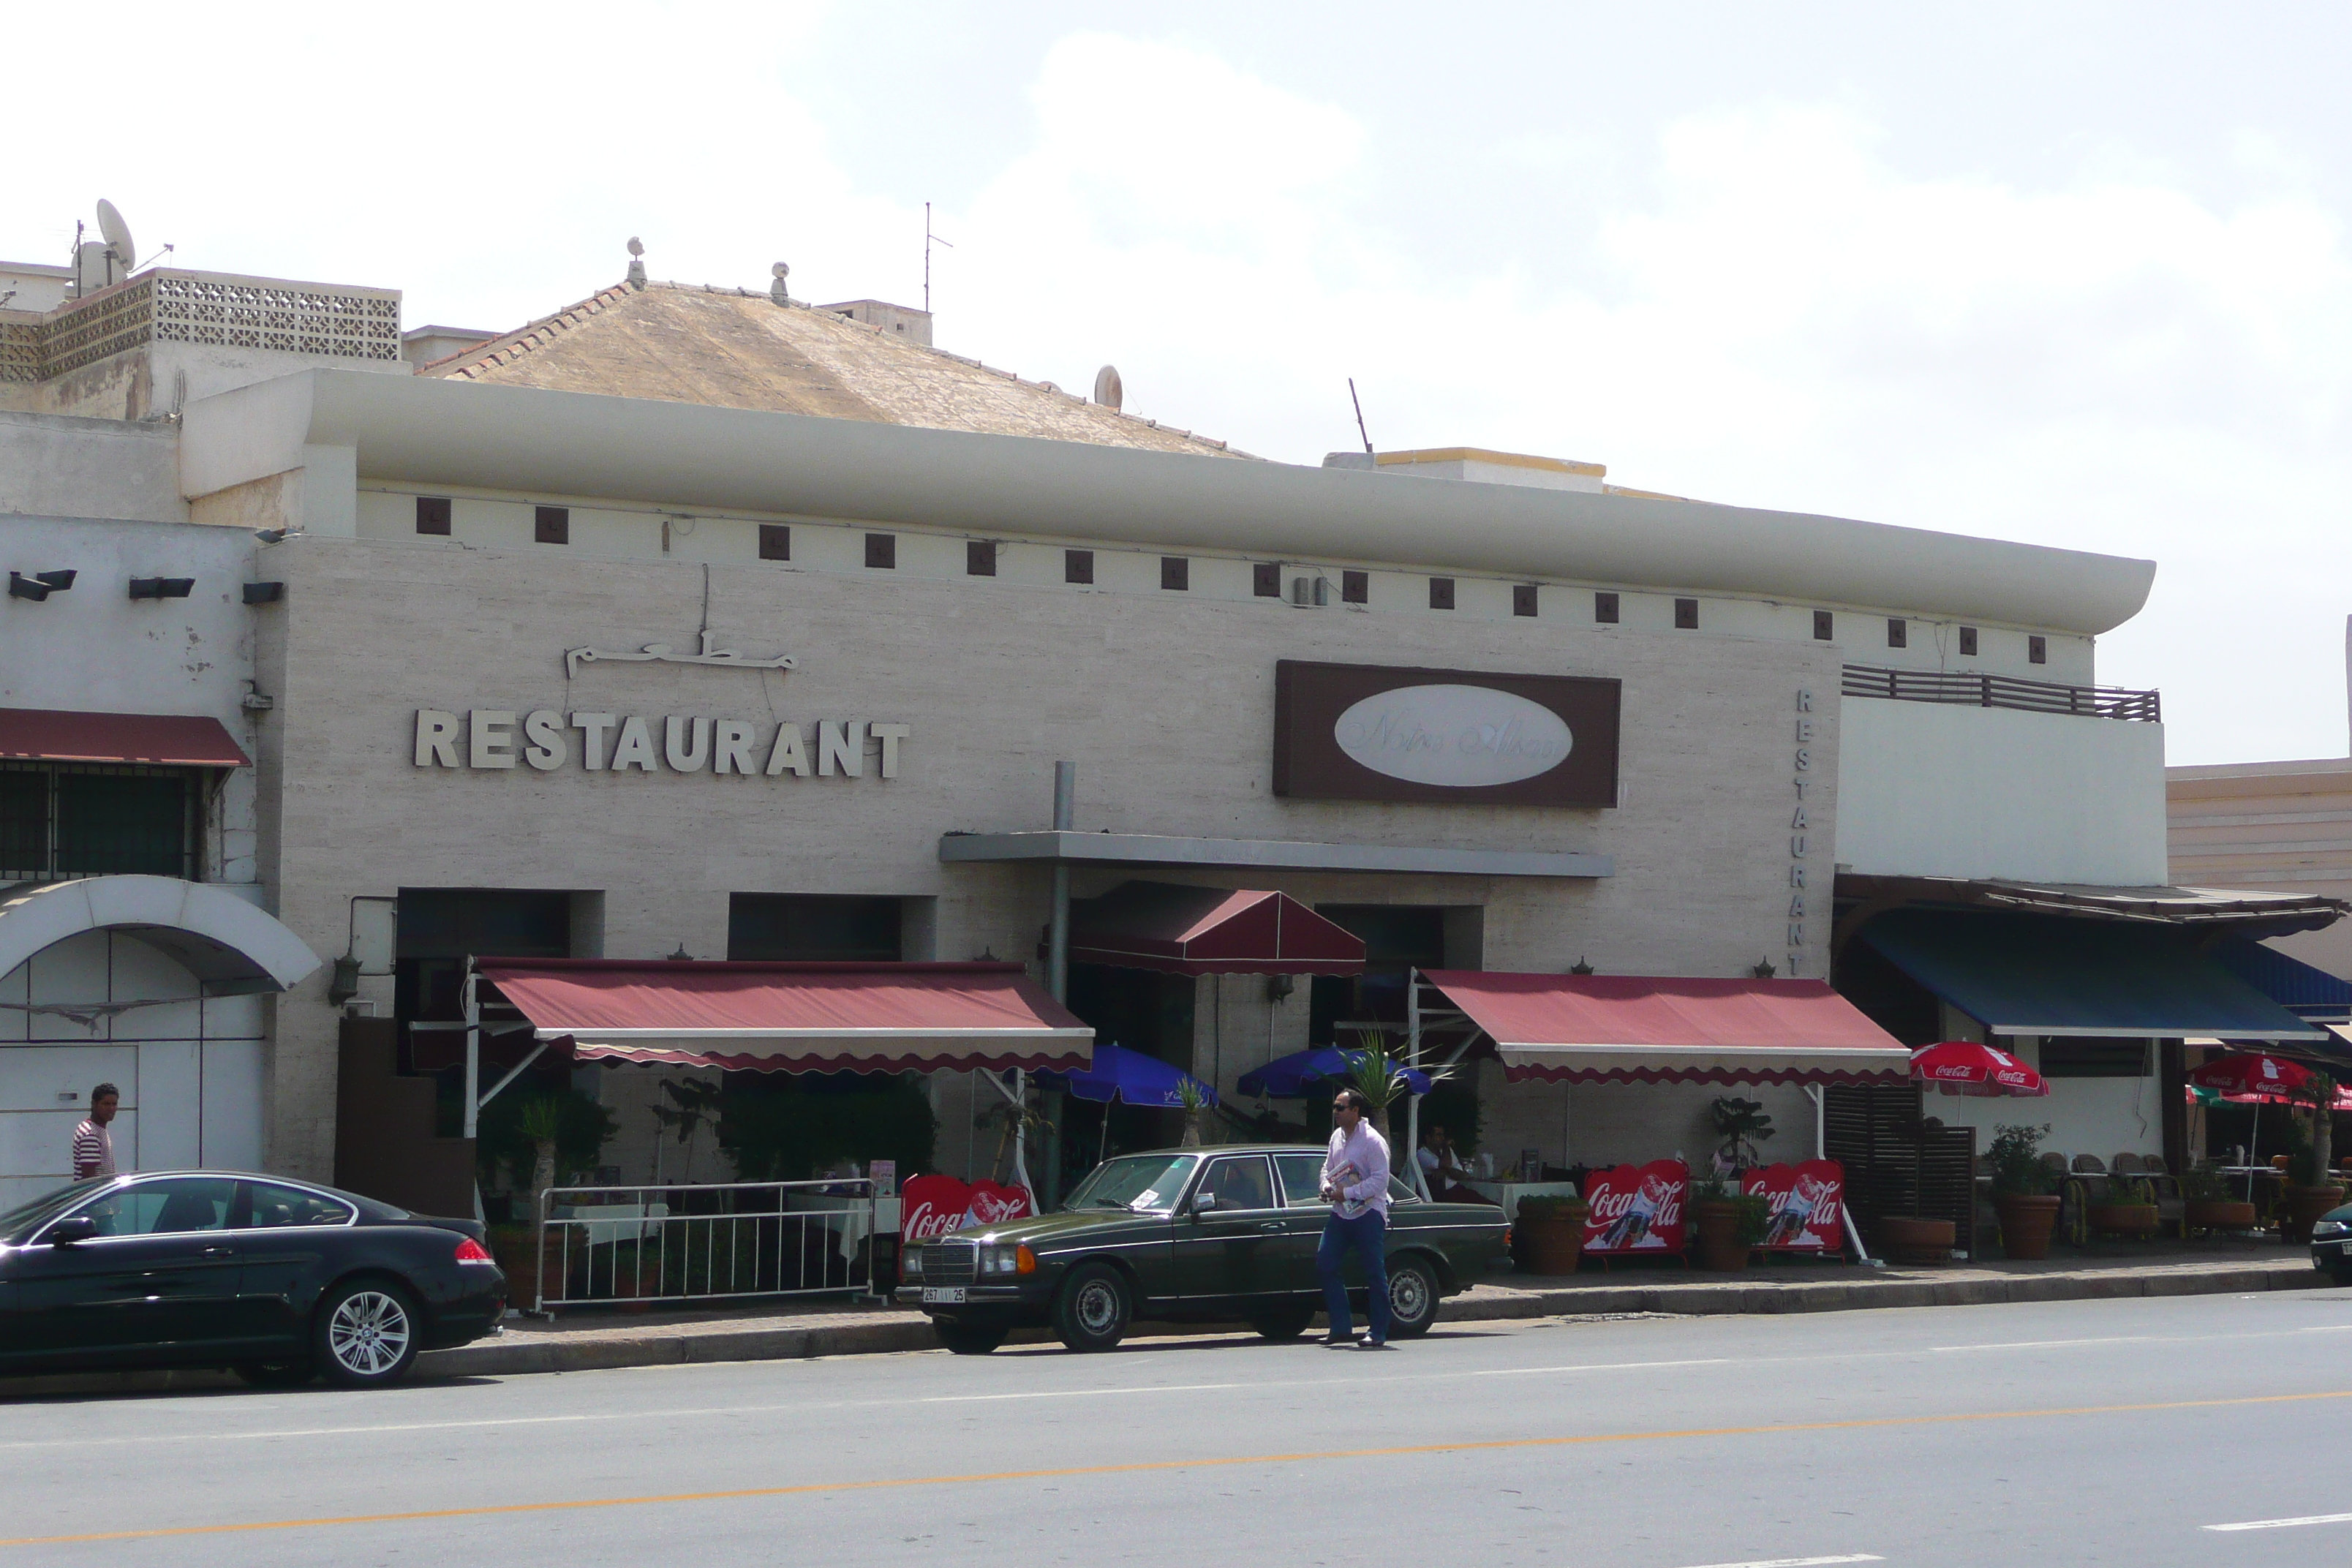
<point x="583" y="1128"/>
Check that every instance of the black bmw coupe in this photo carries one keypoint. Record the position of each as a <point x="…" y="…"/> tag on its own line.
<point x="277" y="1280"/>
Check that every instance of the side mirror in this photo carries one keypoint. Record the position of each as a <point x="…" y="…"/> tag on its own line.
<point x="1203" y="1202"/>
<point x="72" y="1229"/>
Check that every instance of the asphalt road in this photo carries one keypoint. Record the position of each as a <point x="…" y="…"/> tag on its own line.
<point x="2117" y="1432"/>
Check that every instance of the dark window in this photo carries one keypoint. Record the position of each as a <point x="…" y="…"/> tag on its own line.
<point x="432" y="514"/>
<point x="1899" y="632"/>
<point x="775" y="542"/>
<point x="980" y="558"/>
<point x="1687" y="615"/>
<point x="1176" y="572"/>
<point x="435" y="929"/>
<point x="1265" y="579"/>
<point x="1523" y="598"/>
<point x="1824" y="625"/>
<point x="2094" y="1058"/>
<point x="1077" y="565"/>
<point x="552" y="525"/>
<point x="2037" y="650"/>
<point x="95" y="819"/>
<point x="1604" y="608"/>
<point x="1355" y="587"/>
<point x="1440" y="593"/>
<point x="1967" y="641"/>
<point x="811" y="928"/>
<point x="1398" y="938"/>
<point x="882" y="551"/>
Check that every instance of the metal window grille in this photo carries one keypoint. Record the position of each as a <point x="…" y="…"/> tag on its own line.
<point x="96" y="819"/>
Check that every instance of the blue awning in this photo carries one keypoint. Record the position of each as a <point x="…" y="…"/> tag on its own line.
<point x="2308" y="991"/>
<point x="2021" y="975"/>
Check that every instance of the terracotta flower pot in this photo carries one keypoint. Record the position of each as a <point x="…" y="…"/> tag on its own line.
<point x="1554" y="1242"/>
<point x="2217" y="1213"/>
<point x="2301" y="1207"/>
<point x="2123" y="1219"/>
<point x="1720" y="1247"/>
<point x="2026" y="1222"/>
<point x="1917" y="1242"/>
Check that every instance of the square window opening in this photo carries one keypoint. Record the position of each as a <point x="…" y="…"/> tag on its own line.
<point x="2037" y="650"/>
<point x="1078" y="566"/>
<point x="551" y="525"/>
<point x="1899" y="632"/>
<point x="1967" y="641"/>
<point x="1687" y="615"/>
<point x="775" y="542"/>
<point x="1523" y="598"/>
<point x="432" y="514"/>
<point x="1605" y="608"/>
<point x="1824" y="625"/>
<point x="1440" y="593"/>
<point x="1355" y="587"/>
<point x="980" y="558"/>
<point x="882" y="551"/>
<point x="1175" y="574"/>
<point x="1265" y="579"/>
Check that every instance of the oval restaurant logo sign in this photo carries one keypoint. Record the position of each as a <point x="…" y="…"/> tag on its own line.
<point x="1460" y="737"/>
<point x="1351" y="731"/>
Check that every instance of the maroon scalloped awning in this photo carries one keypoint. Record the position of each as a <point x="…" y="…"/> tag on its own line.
<point x="795" y="1017"/>
<point x="163" y="740"/>
<point x="1177" y="929"/>
<point x="1634" y="1028"/>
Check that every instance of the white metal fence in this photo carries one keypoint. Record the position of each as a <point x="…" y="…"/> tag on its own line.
<point x="704" y="1242"/>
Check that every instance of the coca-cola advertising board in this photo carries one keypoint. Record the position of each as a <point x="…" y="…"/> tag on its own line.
<point x="936" y="1205"/>
<point x="1806" y="1203"/>
<point x="1637" y="1208"/>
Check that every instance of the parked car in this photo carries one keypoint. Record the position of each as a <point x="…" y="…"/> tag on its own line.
<point x="1189" y="1236"/>
<point x="2331" y="1245"/>
<point x="278" y="1281"/>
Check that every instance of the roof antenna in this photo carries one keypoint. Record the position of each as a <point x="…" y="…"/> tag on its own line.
<point x="1360" y="415"/>
<point x="929" y="239"/>
<point x="636" y="262"/>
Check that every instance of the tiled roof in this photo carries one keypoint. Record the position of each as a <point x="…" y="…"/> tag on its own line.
<point x="736" y="349"/>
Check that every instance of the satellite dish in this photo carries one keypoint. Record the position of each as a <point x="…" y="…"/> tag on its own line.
<point x="636" y="245"/>
<point x="780" y="270"/>
<point x="1108" y="390"/>
<point x="118" y="236"/>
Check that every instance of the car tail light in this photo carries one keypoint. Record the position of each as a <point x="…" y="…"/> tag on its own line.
<point x="1506" y="1238"/>
<point x="1024" y="1260"/>
<point x="472" y="1251"/>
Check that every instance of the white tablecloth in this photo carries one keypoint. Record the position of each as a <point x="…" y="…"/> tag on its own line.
<point x="847" y="1218"/>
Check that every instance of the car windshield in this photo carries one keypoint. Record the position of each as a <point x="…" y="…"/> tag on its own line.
<point x="28" y="1218"/>
<point x="1145" y="1184"/>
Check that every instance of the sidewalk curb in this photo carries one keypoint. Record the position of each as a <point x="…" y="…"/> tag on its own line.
<point x="515" y="1354"/>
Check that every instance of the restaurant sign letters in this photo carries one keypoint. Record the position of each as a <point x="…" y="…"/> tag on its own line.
<point x="934" y="1206"/>
<point x="1366" y="733"/>
<point x="1805" y="1204"/>
<point x="1637" y="1208"/>
<point x="545" y="740"/>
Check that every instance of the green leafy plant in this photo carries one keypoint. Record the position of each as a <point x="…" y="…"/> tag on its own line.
<point x="693" y="1105"/>
<point x="1194" y="1100"/>
<point x="1742" y="1124"/>
<point x="2311" y="1154"/>
<point x="1709" y="1187"/>
<point x="2128" y="1191"/>
<point x="2202" y="1184"/>
<point x="1542" y="1207"/>
<point x="2014" y="1157"/>
<point x="1379" y="1077"/>
<point x="503" y="1145"/>
<point x="1754" y="1211"/>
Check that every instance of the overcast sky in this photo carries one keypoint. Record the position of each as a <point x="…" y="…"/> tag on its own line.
<point x="2077" y="274"/>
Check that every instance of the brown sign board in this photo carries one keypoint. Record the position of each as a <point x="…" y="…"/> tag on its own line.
<point x="1353" y="732"/>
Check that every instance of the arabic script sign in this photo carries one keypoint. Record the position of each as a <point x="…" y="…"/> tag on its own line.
<point x="661" y="653"/>
<point x="937" y="1205"/>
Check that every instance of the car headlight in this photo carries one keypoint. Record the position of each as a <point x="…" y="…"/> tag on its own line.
<point x="1002" y="1258"/>
<point x="910" y="1261"/>
<point x="2329" y="1227"/>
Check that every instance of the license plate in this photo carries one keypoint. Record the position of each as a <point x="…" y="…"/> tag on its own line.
<point x="944" y="1295"/>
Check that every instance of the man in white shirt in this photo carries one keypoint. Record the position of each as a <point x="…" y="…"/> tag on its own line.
<point x="93" y="1141"/>
<point x="1356" y="1185"/>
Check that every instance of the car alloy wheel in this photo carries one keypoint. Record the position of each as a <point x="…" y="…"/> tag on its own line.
<point x="367" y="1334"/>
<point x="1091" y="1313"/>
<point x="1412" y="1298"/>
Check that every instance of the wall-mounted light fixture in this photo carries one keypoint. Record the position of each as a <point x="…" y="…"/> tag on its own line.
<point x="39" y="586"/>
<point x="1580" y="967"/>
<point x="162" y="587"/>
<point x="264" y="593"/>
<point x="1763" y="969"/>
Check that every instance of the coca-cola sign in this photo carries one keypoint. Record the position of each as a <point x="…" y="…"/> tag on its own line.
<point x="938" y="1205"/>
<point x="1806" y="1203"/>
<point x="1637" y="1208"/>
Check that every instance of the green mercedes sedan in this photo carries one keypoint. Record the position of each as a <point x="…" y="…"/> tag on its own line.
<point x="1216" y="1235"/>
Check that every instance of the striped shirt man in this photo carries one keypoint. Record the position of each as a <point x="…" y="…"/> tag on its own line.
<point x="93" y="1141"/>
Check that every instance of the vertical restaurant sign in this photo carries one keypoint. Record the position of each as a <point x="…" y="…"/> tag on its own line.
<point x="1637" y="1208"/>
<point x="1805" y="1204"/>
<point x="1352" y="731"/>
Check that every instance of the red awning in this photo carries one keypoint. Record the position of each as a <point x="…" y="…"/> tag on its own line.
<point x="1178" y="929"/>
<point x="164" y="739"/>
<point x="1626" y="1028"/>
<point x="795" y="1017"/>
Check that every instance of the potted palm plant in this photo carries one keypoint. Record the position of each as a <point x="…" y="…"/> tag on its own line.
<point x="1552" y="1232"/>
<point x="2022" y="1191"/>
<point x="1379" y="1077"/>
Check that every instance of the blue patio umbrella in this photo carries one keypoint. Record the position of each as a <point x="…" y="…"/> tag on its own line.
<point x="1117" y="1073"/>
<point x="1292" y="1077"/>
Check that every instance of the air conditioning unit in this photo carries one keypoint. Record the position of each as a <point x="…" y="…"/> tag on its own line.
<point x="1311" y="590"/>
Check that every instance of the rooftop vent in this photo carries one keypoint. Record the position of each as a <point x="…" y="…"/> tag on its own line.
<point x="1479" y="465"/>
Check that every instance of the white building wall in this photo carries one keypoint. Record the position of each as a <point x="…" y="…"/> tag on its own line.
<point x="56" y="465"/>
<point x="1941" y="790"/>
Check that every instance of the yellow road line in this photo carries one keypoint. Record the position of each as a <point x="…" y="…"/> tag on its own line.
<point x="978" y="1477"/>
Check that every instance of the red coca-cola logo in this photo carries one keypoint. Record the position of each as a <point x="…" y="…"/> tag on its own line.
<point x="939" y="1205"/>
<point x="1636" y="1208"/>
<point x="1806" y="1205"/>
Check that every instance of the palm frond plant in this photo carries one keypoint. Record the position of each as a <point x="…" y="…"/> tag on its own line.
<point x="1195" y="1101"/>
<point x="1377" y="1074"/>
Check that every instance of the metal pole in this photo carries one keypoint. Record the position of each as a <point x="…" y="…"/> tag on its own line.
<point x="473" y="1048"/>
<point x="1057" y="960"/>
<point x="1412" y="1059"/>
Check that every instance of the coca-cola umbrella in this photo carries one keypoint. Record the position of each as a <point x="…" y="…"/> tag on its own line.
<point x="2259" y="1080"/>
<point x="1964" y="1067"/>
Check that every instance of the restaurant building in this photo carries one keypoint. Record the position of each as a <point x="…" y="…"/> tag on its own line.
<point x="703" y="624"/>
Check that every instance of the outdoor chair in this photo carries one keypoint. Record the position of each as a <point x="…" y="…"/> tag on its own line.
<point x="2125" y="1164"/>
<point x="2089" y="1165"/>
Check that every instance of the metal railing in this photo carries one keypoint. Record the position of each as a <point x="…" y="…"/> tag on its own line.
<point x="704" y="1242"/>
<point x="1960" y="687"/>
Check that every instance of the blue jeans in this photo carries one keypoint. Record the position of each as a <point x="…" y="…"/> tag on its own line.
<point x="1367" y="1234"/>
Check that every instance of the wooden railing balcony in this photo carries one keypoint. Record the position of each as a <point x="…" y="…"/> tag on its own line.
<point x="1959" y="687"/>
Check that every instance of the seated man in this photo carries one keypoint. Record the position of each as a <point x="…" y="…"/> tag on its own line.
<point x="1441" y="1169"/>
